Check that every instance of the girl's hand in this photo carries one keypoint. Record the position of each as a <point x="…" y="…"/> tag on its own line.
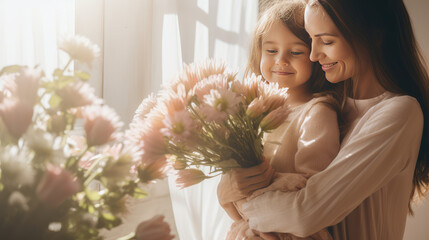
<point x="283" y="182"/>
<point x="247" y="180"/>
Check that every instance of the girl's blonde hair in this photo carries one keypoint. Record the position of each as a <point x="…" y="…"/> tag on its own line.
<point x="291" y="14"/>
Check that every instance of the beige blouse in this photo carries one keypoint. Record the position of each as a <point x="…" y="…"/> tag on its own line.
<point x="364" y="192"/>
<point x="307" y="141"/>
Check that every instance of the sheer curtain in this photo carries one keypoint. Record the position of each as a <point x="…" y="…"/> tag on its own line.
<point x="29" y="32"/>
<point x="189" y="31"/>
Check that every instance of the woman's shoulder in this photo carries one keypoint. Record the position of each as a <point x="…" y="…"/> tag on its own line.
<point x="397" y="107"/>
<point x="403" y="104"/>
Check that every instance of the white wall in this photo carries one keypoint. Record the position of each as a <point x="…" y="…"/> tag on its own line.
<point x="418" y="226"/>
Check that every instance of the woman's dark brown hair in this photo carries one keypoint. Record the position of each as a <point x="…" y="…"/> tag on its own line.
<point x="380" y="31"/>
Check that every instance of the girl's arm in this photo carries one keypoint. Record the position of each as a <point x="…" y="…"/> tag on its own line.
<point x="382" y="145"/>
<point x="240" y="183"/>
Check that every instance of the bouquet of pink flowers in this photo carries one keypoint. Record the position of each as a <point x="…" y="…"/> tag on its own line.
<point x="207" y="117"/>
<point x="65" y="172"/>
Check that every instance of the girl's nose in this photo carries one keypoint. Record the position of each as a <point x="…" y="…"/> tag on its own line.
<point x="283" y="60"/>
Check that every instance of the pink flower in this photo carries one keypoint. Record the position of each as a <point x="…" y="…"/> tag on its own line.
<point x="27" y="84"/>
<point x="173" y="101"/>
<point x="180" y="126"/>
<point x="154" y="229"/>
<point x="256" y="108"/>
<point x="155" y="169"/>
<point x="219" y="104"/>
<point x="248" y="87"/>
<point x="56" y="186"/>
<point x="101" y="123"/>
<point x="196" y="72"/>
<point x="77" y="94"/>
<point x="145" y="107"/>
<point x="212" y="82"/>
<point x="17" y="116"/>
<point x="274" y="119"/>
<point x="189" y="177"/>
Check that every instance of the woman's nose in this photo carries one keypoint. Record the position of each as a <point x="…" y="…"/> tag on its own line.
<point x="315" y="53"/>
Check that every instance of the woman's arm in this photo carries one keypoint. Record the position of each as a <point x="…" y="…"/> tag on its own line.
<point x="376" y="152"/>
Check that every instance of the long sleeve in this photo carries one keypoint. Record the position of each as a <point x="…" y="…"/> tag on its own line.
<point x="382" y="145"/>
<point x="319" y="140"/>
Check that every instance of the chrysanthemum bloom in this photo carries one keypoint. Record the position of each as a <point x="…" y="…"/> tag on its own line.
<point x="274" y="119"/>
<point x="212" y="82"/>
<point x="56" y="186"/>
<point x="153" y="147"/>
<point x="77" y="94"/>
<point x="155" y="169"/>
<point x="189" y="177"/>
<point x="173" y="101"/>
<point x="80" y="48"/>
<point x="27" y="84"/>
<point x="145" y="106"/>
<point x="42" y="143"/>
<point x="198" y="71"/>
<point x="180" y="126"/>
<point x="273" y="102"/>
<point x="219" y="104"/>
<point x="16" y="169"/>
<point x="256" y="108"/>
<point x="17" y="116"/>
<point x="101" y="124"/>
<point x="120" y="161"/>
<point x="154" y="229"/>
<point x="247" y="87"/>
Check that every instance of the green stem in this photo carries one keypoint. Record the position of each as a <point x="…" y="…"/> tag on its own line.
<point x="67" y="65"/>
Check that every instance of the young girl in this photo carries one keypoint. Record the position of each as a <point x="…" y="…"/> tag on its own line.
<point x="309" y="139"/>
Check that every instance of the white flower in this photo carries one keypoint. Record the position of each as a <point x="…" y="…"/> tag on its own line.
<point x="18" y="199"/>
<point x="80" y="48"/>
<point x="16" y="168"/>
<point x="219" y="104"/>
<point x="43" y="145"/>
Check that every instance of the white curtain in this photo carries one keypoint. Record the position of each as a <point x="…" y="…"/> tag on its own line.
<point x="29" y="32"/>
<point x="188" y="31"/>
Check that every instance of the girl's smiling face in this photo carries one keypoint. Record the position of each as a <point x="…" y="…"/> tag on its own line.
<point x="285" y="57"/>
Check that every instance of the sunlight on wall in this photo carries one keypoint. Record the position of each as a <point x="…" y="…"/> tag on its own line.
<point x="229" y="15"/>
<point x="30" y="30"/>
<point x="203" y="5"/>
<point x="201" y="50"/>
<point x="171" y="50"/>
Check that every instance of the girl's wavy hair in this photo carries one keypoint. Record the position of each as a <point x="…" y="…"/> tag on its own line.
<point x="291" y="14"/>
<point x="381" y="35"/>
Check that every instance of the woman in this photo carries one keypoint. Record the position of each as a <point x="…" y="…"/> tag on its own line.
<point x="365" y="193"/>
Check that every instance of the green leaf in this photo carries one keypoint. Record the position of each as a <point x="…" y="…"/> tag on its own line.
<point x="139" y="193"/>
<point x="84" y="76"/>
<point x="58" y="72"/>
<point x="64" y="81"/>
<point x="11" y="69"/>
<point x="55" y="101"/>
<point x="92" y="195"/>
